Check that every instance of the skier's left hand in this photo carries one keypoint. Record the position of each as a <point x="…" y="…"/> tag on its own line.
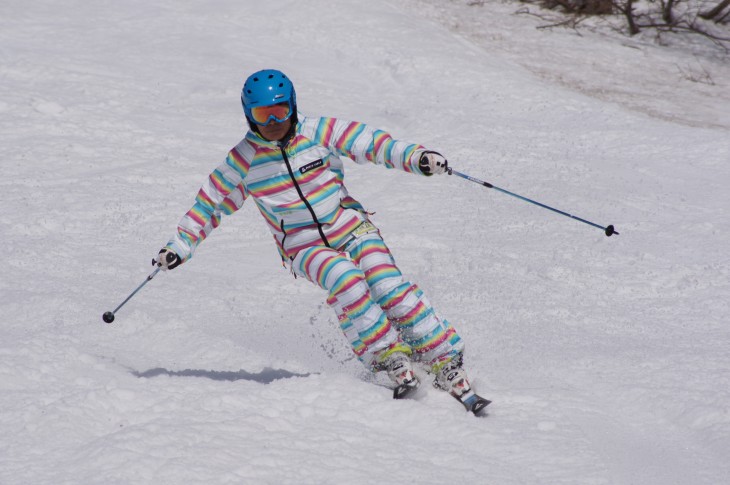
<point x="432" y="163"/>
<point x="167" y="259"/>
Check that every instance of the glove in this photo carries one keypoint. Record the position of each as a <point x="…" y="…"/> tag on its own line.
<point x="167" y="259"/>
<point x="432" y="163"/>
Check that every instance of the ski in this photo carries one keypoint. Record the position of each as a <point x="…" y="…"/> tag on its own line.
<point x="473" y="403"/>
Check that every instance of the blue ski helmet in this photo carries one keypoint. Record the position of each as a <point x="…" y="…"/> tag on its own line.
<point x="266" y="88"/>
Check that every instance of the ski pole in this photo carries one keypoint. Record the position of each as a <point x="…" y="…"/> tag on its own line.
<point x="108" y="317"/>
<point x="608" y="230"/>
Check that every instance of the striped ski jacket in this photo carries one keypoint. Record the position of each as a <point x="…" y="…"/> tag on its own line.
<point x="298" y="187"/>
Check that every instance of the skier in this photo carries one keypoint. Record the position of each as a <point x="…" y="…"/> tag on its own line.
<point x="291" y="167"/>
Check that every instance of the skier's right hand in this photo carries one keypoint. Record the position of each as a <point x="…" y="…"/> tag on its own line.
<point x="167" y="259"/>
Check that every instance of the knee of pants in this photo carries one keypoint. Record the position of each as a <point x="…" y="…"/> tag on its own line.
<point x="378" y="265"/>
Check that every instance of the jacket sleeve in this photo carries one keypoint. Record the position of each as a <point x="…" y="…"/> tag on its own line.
<point x="364" y="144"/>
<point x="222" y="193"/>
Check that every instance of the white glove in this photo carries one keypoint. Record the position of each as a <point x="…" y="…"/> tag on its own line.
<point x="432" y="163"/>
<point x="167" y="259"/>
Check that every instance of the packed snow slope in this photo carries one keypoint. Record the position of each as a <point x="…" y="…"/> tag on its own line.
<point x="607" y="358"/>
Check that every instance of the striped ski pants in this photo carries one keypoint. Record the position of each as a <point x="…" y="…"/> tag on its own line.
<point x="378" y="310"/>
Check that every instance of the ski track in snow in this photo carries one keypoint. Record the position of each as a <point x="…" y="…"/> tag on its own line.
<point x="606" y="358"/>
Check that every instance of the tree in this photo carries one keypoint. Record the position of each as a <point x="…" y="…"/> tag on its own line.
<point x="627" y="8"/>
<point x="665" y="17"/>
<point x="714" y="14"/>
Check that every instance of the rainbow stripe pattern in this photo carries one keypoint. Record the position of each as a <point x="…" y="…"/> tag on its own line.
<point x="363" y="144"/>
<point x="300" y="201"/>
<point x="362" y="321"/>
<point x="376" y="308"/>
<point x="299" y="190"/>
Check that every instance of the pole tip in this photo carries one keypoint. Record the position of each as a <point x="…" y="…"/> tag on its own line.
<point x="610" y="231"/>
<point x="108" y="317"/>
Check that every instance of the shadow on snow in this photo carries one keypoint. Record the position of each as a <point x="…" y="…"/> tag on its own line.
<point x="264" y="377"/>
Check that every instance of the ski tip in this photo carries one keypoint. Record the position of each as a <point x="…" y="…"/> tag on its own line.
<point x="479" y="408"/>
<point x="476" y="404"/>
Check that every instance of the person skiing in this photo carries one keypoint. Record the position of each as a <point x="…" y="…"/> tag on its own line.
<point x="291" y="166"/>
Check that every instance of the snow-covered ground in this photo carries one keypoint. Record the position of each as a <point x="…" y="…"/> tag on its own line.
<point x="607" y="358"/>
<point x="684" y="84"/>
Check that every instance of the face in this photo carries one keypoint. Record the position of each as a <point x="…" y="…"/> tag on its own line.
<point x="275" y="131"/>
<point x="269" y="118"/>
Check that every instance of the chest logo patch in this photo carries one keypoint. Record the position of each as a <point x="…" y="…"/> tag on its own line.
<point x="311" y="166"/>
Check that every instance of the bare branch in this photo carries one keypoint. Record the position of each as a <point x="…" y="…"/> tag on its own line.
<point x="715" y="12"/>
<point x="661" y="16"/>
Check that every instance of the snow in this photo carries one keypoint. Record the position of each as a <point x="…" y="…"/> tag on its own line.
<point x="607" y="358"/>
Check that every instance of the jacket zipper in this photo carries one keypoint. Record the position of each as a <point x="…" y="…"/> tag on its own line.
<point x="304" y="199"/>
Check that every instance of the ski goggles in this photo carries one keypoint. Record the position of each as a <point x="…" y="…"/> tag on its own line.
<point x="262" y="115"/>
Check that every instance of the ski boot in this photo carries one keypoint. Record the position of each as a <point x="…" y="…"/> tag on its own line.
<point x="451" y="377"/>
<point x="400" y="371"/>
